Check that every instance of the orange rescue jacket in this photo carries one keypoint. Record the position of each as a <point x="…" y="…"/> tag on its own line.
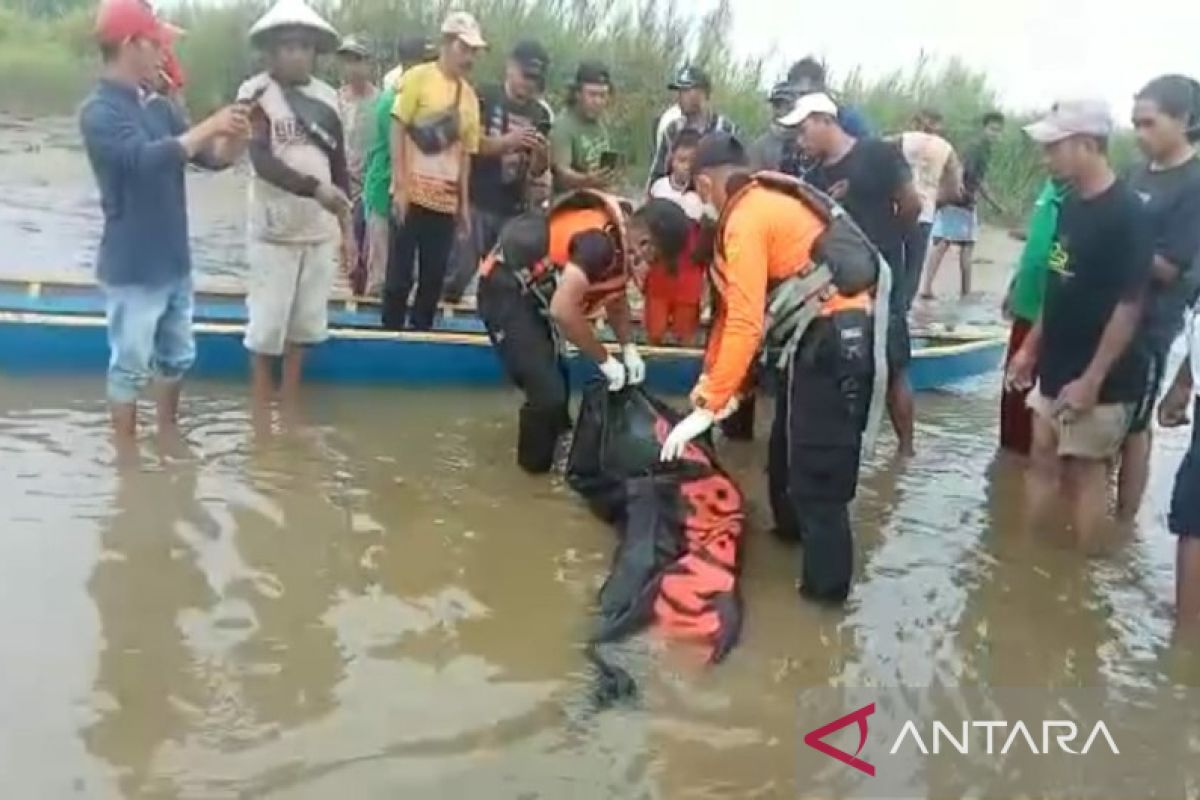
<point x="569" y="215"/>
<point x="765" y="236"/>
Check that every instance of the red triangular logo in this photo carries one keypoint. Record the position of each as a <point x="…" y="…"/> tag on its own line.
<point x="814" y="739"/>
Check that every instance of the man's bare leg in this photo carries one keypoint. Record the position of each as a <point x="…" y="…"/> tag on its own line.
<point x="936" y="256"/>
<point x="124" y="422"/>
<point x="293" y="371"/>
<point x="1134" y="476"/>
<point x="262" y="389"/>
<point x="170" y="440"/>
<point x="902" y="412"/>
<point x="1187" y="583"/>
<point x="1044" y="475"/>
<point x="1087" y="490"/>
<point x="966" y="257"/>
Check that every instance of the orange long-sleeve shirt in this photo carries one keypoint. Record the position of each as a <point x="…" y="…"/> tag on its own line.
<point x="768" y="237"/>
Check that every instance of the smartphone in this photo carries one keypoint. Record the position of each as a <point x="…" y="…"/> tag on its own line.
<point x="610" y="159"/>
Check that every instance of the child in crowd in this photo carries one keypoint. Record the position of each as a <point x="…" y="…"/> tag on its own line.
<point x="675" y="282"/>
<point x="677" y="185"/>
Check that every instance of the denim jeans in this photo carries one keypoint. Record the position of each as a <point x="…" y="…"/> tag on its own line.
<point x="149" y="336"/>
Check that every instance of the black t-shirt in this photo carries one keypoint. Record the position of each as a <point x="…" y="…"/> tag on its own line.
<point x="1172" y="199"/>
<point x="1101" y="257"/>
<point x="874" y="172"/>
<point x="499" y="183"/>
<point x="975" y="167"/>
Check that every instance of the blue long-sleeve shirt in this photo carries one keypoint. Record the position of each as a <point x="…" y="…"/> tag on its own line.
<point x="139" y="166"/>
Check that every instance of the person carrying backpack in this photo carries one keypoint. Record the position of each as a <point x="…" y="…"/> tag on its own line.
<point x="549" y="275"/>
<point x="801" y="283"/>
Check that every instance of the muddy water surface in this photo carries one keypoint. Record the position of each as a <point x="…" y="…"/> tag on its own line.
<point x="378" y="605"/>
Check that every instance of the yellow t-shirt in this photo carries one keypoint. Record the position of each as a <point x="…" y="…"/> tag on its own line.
<point x="425" y="92"/>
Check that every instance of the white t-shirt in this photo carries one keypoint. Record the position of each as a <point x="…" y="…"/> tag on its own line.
<point x="688" y="200"/>
<point x="277" y="215"/>
<point x="927" y="155"/>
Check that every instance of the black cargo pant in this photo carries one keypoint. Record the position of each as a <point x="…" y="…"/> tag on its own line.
<point x="521" y="335"/>
<point x="814" y="452"/>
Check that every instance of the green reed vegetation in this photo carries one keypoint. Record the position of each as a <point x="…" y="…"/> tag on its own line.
<point x="48" y="61"/>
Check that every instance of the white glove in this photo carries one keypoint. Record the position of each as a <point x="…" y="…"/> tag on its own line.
<point x="614" y="371"/>
<point x="634" y="364"/>
<point x="693" y="425"/>
<point x="729" y="410"/>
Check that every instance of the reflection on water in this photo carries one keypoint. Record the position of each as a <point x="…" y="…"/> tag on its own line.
<point x="381" y="606"/>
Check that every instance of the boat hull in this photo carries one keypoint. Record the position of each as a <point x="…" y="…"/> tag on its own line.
<point x="39" y="344"/>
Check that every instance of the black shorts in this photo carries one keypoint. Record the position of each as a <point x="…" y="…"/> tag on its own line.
<point x="1185" y="501"/>
<point x="899" y="341"/>
<point x="1156" y="368"/>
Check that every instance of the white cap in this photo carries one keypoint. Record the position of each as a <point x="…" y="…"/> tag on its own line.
<point x="1084" y="116"/>
<point x="295" y="14"/>
<point x="466" y="28"/>
<point x="806" y="106"/>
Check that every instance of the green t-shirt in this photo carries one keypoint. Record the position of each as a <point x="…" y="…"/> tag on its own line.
<point x="377" y="180"/>
<point x="578" y="143"/>
<point x="1029" y="284"/>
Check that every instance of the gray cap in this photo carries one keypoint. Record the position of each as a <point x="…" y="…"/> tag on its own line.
<point x="353" y="46"/>
<point x="1075" y="117"/>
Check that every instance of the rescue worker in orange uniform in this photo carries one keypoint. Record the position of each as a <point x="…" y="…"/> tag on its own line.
<point x="550" y="275"/>
<point x="765" y="272"/>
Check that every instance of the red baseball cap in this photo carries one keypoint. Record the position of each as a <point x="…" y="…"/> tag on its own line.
<point x="118" y="21"/>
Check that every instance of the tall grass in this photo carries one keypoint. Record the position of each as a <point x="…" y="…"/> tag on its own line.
<point x="48" y="61"/>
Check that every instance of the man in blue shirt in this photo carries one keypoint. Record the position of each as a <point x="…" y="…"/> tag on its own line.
<point x="139" y="152"/>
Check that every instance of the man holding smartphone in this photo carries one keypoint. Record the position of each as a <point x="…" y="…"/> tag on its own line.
<point x="513" y="158"/>
<point x="584" y="157"/>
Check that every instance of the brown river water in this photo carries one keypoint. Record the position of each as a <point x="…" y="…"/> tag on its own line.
<point x="378" y="604"/>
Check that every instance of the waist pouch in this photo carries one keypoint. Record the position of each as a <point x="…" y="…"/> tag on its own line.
<point x="437" y="133"/>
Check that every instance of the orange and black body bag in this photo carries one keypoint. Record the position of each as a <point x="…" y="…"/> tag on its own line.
<point x="680" y="525"/>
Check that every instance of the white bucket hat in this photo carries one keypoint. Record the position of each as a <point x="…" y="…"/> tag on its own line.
<point x="295" y="14"/>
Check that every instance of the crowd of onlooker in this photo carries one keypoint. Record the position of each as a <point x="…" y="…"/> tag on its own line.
<point x="409" y="184"/>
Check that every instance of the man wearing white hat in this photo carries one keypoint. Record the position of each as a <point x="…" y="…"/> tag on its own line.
<point x="873" y="182"/>
<point x="1082" y="359"/>
<point x="299" y="208"/>
<point x="435" y="132"/>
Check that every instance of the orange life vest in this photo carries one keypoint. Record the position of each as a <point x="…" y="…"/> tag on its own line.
<point x="832" y="301"/>
<point x="567" y="216"/>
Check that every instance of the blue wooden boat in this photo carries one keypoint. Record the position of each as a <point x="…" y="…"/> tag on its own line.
<point x="48" y="328"/>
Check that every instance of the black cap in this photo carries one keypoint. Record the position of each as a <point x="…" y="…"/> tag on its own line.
<point x="533" y="58"/>
<point x="691" y="77"/>
<point x="719" y="150"/>
<point x="593" y="72"/>
<point x="783" y="92"/>
<point x="412" y="49"/>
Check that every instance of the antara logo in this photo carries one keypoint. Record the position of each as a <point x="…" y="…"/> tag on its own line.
<point x="814" y="739"/>
<point x="1064" y="733"/>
